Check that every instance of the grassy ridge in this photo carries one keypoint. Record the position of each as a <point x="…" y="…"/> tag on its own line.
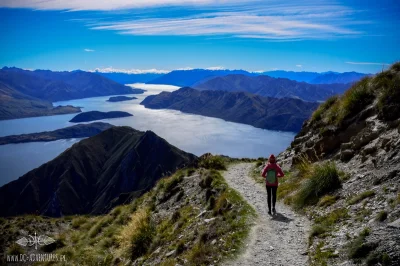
<point x="191" y="218"/>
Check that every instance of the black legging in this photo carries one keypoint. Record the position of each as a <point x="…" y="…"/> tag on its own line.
<point x="271" y="190"/>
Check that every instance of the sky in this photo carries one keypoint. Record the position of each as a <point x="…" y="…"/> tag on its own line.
<point x="156" y="36"/>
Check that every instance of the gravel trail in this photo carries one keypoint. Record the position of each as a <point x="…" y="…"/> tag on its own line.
<point x="274" y="240"/>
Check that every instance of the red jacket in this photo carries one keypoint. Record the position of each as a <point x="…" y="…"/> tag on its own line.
<point x="278" y="172"/>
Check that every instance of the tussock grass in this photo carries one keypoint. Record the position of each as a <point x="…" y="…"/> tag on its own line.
<point x="382" y="216"/>
<point x="366" y="194"/>
<point x="135" y="238"/>
<point x="321" y="179"/>
<point x="385" y="87"/>
<point x="78" y="222"/>
<point x="317" y="115"/>
<point x="327" y="200"/>
<point x="359" y="248"/>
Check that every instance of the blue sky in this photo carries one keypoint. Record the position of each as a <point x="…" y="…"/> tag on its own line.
<point x="159" y="35"/>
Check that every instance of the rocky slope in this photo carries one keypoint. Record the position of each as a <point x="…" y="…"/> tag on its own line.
<point x="264" y="112"/>
<point x="273" y="87"/>
<point x="97" y="115"/>
<point x="94" y="175"/>
<point x="360" y="133"/>
<point x="76" y="131"/>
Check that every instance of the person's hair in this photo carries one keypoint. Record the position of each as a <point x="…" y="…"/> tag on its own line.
<point x="272" y="159"/>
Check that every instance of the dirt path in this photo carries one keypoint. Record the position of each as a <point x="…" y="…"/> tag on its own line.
<point x="277" y="240"/>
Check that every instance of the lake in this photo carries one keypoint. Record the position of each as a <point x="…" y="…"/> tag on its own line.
<point x="192" y="133"/>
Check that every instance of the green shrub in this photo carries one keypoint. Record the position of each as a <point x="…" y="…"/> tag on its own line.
<point x="382" y="216"/>
<point x="361" y="196"/>
<point x="322" y="179"/>
<point x="212" y="162"/>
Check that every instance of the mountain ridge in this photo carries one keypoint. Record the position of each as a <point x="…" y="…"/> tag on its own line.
<point x="264" y="112"/>
<point x="94" y="175"/>
<point x="273" y="87"/>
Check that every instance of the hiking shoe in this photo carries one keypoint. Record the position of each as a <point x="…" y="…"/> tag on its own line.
<point x="274" y="211"/>
<point x="269" y="212"/>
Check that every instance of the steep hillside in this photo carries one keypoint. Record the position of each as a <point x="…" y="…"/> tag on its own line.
<point x="276" y="114"/>
<point x="187" y="78"/>
<point x="189" y="218"/>
<point x="346" y="173"/>
<point x="94" y="175"/>
<point x="273" y="87"/>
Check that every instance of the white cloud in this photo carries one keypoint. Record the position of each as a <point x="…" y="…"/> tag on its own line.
<point x="300" y="66"/>
<point x="280" y="23"/>
<point x="258" y="19"/>
<point x="76" y="5"/>
<point x="366" y="63"/>
<point x="185" y="68"/>
<point x="130" y="71"/>
<point x="88" y="50"/>
<point x="216" y="68"/>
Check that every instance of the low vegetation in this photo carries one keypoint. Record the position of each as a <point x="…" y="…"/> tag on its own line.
<point x="320" y="180"/>
<point x="384" y="87"/>
<point x="191" y="218"/>
<point x="359" y="248"/>
<point x="366" y="194"/>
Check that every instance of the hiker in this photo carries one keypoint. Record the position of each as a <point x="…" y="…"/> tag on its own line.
<point x="271" y="172"/>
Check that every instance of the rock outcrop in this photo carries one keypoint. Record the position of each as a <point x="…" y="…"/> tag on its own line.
<point x="360" y="132"/>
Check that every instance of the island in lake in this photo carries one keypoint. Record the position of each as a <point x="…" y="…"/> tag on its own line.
<point x="97" y="115"/>
<point x="76" y="131"/>
<point x="120" y="99"/>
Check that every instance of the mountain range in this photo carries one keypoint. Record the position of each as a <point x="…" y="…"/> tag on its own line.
<point x="190" y="78"/>
<point x="285" y="114"/>
<point x="329" y="77"/>
<point x="273" y="87"/>
<point x="25" y="93"/>
<point x="94" y="175"/>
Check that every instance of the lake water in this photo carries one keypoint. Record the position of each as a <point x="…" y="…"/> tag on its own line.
<point x="192" y="133"/>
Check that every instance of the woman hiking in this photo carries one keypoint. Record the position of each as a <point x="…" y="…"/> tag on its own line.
<point x="271" y="172"/>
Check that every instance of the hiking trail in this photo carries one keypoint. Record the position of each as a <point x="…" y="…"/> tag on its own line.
<point x="273" y="240"/>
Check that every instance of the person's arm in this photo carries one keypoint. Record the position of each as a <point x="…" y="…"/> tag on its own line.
<point x="264" y="172"/>
<point x="279" y="171"/>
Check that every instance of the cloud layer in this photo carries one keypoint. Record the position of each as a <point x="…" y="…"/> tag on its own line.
<point x="251" y="19"/>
